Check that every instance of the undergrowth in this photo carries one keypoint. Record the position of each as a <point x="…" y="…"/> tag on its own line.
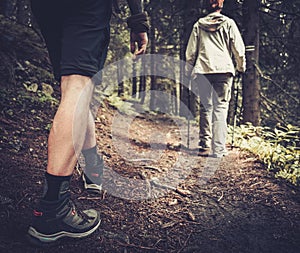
<point x="278" y="148"/>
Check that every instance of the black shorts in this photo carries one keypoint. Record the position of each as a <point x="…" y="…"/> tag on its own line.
<point x="76" y="33"/>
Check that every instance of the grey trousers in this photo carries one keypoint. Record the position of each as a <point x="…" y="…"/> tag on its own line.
<point x="215" y="93"/>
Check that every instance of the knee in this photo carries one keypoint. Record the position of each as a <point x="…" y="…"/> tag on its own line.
<point x="76" y="82"/>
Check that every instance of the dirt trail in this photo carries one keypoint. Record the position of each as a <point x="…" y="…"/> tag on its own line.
<point x="152" y="202"/>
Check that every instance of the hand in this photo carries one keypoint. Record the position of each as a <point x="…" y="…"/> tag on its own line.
<point x="138" y="42"/>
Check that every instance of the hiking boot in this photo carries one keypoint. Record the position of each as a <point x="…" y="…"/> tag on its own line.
<point x="55" y="220"/>
<point x="92" y="176"/>
<point x="203" y="149"/>
<point x="218" y="155"/>
<point x="203" y="145"/>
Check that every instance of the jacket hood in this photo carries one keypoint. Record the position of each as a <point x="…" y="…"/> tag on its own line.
<point x="212" y="22"/>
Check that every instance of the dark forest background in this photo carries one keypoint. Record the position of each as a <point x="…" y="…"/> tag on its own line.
<point x="270" y="29"/>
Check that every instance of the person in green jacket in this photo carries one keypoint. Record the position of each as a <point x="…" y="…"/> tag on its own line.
<point x="215" y="44"/>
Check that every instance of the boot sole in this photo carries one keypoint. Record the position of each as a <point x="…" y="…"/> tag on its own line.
<point x="91" y="188"/>
<point x="40" y="239"/>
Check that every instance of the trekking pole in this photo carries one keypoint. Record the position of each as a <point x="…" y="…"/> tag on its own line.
<point x="236" y="88"/>
<point x="189" y="106"/>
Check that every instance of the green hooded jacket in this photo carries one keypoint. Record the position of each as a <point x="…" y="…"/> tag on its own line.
<point x="215" y="46"/>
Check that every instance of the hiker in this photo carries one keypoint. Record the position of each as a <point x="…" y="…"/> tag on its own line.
<point x="76" y="34"/>
<point x="214" y="43"/>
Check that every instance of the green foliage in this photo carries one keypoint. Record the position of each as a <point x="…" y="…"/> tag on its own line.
<point x="278" y="149"/>
<point x="44" y="95"/>
<point x="122" y="105"/>
<point x="127" y="105"/>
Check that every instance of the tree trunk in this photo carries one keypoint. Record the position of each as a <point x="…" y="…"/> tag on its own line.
<point x="142" y="82"/>
<point x="120" y="80"/>
<point x="251" y="82"/>
<point x="134" y="80"/>
<point x="190" y="16"/>
<point x="8" y="56"/>
<point x="153" y="85"/>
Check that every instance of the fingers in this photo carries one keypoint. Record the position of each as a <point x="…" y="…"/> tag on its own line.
<point x="138" y="43"/>
<point x="142" y="49"/>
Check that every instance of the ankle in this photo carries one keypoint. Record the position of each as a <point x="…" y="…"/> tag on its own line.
<point x="56" y="187"/>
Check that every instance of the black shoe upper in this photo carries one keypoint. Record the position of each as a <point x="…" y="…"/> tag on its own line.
<point x="54" y="217"/>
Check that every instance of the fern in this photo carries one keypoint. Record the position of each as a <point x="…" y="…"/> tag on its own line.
<point x="278" y="149"/>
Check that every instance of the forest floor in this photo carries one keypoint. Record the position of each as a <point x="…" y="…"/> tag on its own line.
<point x="152" y="203"/>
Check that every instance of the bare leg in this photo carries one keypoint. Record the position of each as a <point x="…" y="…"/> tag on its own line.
<point x="66" y="138"/>
<point x="69" y="125"/>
